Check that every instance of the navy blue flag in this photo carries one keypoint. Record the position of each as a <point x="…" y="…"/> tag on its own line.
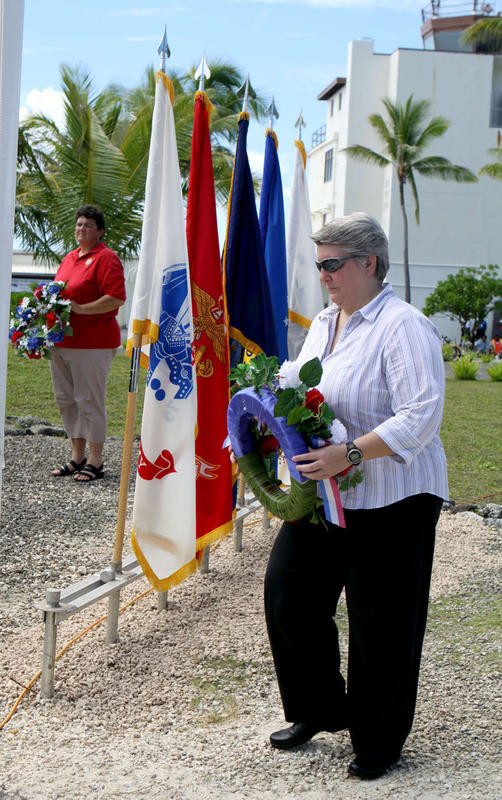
<point x="249" y="307"/>
<point x="273" y="233"/>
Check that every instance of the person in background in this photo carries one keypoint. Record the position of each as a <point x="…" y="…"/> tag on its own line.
<point x="482" y="345"/>
<point x="80" y="363"/>
<point x="383" y="376"/>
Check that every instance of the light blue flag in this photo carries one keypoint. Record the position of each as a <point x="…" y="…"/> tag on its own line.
<point x="274" y="241"/>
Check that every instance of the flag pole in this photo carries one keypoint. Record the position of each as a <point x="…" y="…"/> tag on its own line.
<point x="116" y="565"/>
<point x="272" y="112"/>
<point x="300" y="123"/>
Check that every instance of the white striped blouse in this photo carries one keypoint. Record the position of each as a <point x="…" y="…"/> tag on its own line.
<point x="386" y="375"/>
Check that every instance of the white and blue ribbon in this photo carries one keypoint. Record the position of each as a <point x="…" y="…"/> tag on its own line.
<point x="330" y="496"/>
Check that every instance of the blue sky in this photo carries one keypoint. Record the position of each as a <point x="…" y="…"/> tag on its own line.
<point x="292" y="49"/>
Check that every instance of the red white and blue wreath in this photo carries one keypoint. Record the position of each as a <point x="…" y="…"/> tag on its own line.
<point x="41" y="320"/>
<point x="276" y="409"/>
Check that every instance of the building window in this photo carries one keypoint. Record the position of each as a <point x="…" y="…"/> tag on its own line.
<point x="340" y="101"/>
<point x="331" y="107"/>
<point x="328" y="165"/>
<point x="496" y="104"/>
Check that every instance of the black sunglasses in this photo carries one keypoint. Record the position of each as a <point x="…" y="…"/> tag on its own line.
<point x="332" y="264"/>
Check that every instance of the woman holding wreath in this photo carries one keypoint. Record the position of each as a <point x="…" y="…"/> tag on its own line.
<point x="80" y="363"/>
<point x="383" y="377"/>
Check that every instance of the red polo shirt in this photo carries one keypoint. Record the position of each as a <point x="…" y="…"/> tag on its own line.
<point x="89" y="277"/>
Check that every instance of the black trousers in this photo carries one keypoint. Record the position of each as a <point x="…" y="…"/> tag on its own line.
<point x="383" y="558"/>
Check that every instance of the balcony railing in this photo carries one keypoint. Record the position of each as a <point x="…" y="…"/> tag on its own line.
<point x="455" y="8"/>
<point x="319" y="136"/>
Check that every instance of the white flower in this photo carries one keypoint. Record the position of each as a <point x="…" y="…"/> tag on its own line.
<point x="338" y="432"/>
<point x="288" y="375"/>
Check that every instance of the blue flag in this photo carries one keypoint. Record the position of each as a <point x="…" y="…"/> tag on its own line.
<point x="274" y="241"/>
<point x="249" y="307"/>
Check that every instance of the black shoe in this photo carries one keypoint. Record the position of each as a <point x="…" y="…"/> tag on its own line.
<point x="368" y="769"/>
<point x="298" y="733"/>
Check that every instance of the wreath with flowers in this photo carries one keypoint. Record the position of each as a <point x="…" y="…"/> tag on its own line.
<point x="41" y="320"/>
<point x="276" y="409"/>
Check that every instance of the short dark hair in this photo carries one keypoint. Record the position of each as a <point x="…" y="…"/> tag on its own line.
<point x="92" y="212"/>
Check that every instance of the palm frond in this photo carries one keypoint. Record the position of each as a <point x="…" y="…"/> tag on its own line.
<point x="492" y="170"/>
<point x="484" y="30"/>
<point x="439" y="167"/>
<point x="361" y="153"/>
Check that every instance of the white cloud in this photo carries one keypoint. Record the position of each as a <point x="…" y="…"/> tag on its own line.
<point x="43" y="101"/>
<point x="256" y="162"/>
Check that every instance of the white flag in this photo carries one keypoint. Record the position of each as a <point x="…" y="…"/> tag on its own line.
<point x="304" y="289"/>
<point x="163" y="534"/>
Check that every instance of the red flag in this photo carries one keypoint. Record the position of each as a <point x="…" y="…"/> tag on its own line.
<point x="214" y="478"/>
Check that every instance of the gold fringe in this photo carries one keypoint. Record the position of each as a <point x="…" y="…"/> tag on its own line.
<point x="214" y="535"/>
<point x="243" y="115"/>
<point x="166" y="583"/>
<point x="303" y="321"/>
<point x="167" y="83"/>
<point x="235" y="333"/>
<point x="209" y="106"/>
<point x="270" y="132"/>
<point x="301" y="147"/>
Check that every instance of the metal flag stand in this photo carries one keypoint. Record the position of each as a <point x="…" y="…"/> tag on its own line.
<point x="59" y="604"/>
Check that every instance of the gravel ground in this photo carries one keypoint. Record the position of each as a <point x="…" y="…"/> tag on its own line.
<point x="181" y="708"/>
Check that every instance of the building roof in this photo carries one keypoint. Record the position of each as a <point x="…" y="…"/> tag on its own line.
<point x="332" y="89"/>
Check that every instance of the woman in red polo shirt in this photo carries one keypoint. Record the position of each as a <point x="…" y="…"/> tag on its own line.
<point x="80" y="363"/>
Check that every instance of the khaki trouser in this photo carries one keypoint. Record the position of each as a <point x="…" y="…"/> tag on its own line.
<point x="79" y="381"/>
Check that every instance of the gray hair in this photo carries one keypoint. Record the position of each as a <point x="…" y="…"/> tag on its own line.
<point x="359" y="233"/>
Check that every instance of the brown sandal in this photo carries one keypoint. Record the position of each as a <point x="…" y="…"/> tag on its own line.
<point x="65" y="470"/>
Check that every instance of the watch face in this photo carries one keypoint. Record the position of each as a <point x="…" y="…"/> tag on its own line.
<point x="355" y="456"/>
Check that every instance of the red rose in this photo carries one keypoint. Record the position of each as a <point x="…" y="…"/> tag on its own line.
<point x="15" y="336"/>
<point x="313" y="400"/>
<point x="268" y="444"/>
<point x="34" y="355"/>
<point x="51" y="319"/>
<point x="37" y="292"/>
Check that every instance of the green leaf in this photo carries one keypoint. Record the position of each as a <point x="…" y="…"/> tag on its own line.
<point x="285" y="402"/>
<point x="311" y="372"/>
<point x="299" y="414"/>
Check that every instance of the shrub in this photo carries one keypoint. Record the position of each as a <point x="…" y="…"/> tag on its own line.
<point x="465" y="369"/>
<point x="448" y="353"/>
<point x="495" y="372"/>
<point x="486" y="357"/>
<point x="15" y="298"/>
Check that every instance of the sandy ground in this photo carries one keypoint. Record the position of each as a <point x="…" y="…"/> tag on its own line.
<point x="183" y="705"/>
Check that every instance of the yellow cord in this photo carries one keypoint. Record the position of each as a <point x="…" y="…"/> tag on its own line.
<point x="79" y="636"/>
<point x="64" y="649"/>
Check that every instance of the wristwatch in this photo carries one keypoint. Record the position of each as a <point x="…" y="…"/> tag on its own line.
<point x="354" y="454"/>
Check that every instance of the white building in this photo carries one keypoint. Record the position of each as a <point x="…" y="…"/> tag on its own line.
<point x="460" y="224"/>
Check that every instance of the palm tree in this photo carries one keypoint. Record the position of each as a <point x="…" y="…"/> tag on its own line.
<point x="220" y="88"/>
<point x="404" y="139"/>
<point x="100" y="156"/>
<point x="493" y="170"/>
<point x="487" y="31"/>
<point x="60" y="170"/>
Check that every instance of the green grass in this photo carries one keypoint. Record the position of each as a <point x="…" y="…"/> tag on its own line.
<point x="471" y="435"/>
<point x="465" y="630"/>
<point x="29" y="391"/>
<point x="471" y="432"/>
